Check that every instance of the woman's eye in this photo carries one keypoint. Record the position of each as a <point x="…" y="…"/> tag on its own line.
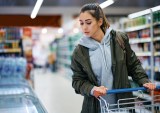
<point x="89" y="23"/>
<point x="81" y="23"/>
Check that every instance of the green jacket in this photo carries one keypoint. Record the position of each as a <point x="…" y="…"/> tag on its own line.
<point x="124" y="64"/>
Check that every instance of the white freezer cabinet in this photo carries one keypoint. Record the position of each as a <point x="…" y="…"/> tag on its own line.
<point x="9" y="86"/>
<point x="16" y="96"/>
<point x="20" y="103"/>
<point x="13" y="81"/>
<point x="15" y="90"/>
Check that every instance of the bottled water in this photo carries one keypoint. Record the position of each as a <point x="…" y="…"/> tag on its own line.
<point x="20" y="68"/>
<point x="7" y="69"/>
<point x="1" y="65"/>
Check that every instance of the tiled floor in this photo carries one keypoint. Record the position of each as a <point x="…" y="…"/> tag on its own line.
<point x="56" y="93"/>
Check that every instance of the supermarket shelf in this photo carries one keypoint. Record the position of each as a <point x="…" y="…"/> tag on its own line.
<point x="157" y="83"/>
<point x="143" y="96"/>
<point x="64" y="44"/>
<point x="143" y="53"/>
<point x="137" y="28"/>
<point x="156" y="39"/>
<point x="156" y="23"/>
<point x="64" y="61"/>
<point x="149" y="68"/>
<point x="142" y="40"/>
<point x="10" y="50"/>
<point x="147" y="53"/>
<point x="65" y="49"/>
<point x="139" y="40"/>
<point x="68" y="53"/>
<point x="11" y="41"/>
<point x="157" y="54"/>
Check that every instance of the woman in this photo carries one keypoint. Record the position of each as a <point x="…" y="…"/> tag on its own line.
<point x="99" y="63"/>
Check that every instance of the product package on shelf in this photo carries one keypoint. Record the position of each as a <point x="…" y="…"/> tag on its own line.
<point x="156" y="31"/>
<point x="13" y="67"/>
<point x="10" y="38"/>
<point x="156" y="16"/>
<point x="157" y="46"/>
<point x="157" y="68"/>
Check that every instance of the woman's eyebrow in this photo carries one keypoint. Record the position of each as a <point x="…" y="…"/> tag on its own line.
<point x="87" y="19"/>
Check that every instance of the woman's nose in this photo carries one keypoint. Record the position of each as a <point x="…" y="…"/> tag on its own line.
<point x="84" y="27"/>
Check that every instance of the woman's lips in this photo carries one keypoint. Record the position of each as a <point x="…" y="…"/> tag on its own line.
<point x="86" y="32"/>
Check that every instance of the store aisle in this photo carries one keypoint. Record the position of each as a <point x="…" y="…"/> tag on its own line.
<point x="55" y="92"/>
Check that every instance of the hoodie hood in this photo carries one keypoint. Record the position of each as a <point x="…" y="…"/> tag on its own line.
<point x="93" y="44"/>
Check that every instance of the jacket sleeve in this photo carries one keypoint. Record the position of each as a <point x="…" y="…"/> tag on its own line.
<point x="80" y="81"/>
<point x="135" y="69"/>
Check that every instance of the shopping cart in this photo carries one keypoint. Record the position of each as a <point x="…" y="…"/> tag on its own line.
<point x="149" y="104"/>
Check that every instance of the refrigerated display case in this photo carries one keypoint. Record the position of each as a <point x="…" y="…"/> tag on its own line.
<point x="9" y="86"/>
<point x="20" y="103"/>
<point x="16" y="96"/>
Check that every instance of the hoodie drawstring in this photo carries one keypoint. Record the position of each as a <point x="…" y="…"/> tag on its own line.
<point x="104" y="55"/>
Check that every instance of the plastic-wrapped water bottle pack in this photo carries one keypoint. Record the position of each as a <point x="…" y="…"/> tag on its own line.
<point x="12" y="67"/>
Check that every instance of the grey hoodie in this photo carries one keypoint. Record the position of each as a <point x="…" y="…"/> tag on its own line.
<point x="100" y="57"/>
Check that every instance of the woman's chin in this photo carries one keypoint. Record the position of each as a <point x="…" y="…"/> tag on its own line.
<point x="87" y="35"/>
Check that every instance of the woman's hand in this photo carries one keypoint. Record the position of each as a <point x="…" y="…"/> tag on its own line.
<point x="150" y="86"/>
<point x="99" y="91"/>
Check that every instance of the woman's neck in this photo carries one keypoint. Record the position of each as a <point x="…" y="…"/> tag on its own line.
<point x="98" y="36"/>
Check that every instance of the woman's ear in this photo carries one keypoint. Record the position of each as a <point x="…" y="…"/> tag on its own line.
<point x="100" y="22"/>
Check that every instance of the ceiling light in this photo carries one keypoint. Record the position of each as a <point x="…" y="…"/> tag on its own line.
<point x="36" y="8"/>
<point x="44" y="31"/>
<point x="60" y="30"/>
<point x="141" y="13"/>
<point x="156" y="8"/>
<point x="106" y="4"/>
<point x="75" y="30"/>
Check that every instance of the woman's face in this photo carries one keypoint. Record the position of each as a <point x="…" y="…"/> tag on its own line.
<point x="89" y="24"/>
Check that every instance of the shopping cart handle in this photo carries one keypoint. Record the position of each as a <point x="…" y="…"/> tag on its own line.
<point x="114" y="91"/>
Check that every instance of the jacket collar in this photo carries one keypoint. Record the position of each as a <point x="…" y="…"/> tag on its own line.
<point x="112" y="44"/>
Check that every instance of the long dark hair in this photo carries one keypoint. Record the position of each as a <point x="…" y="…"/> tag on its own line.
<point x="96" y="11"/>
